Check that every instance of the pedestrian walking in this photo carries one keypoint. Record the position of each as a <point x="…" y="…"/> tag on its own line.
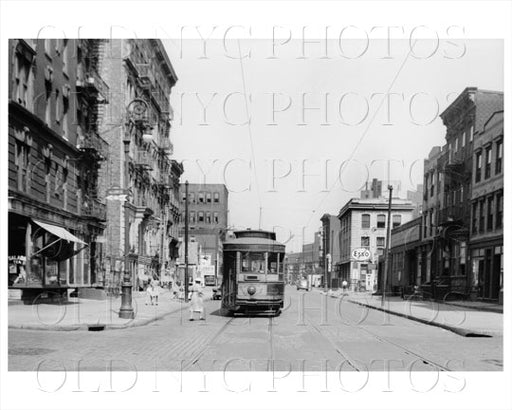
<point x="156" y="292"/>
<point x="344" y="285"/>
<point x="196" y="301"/>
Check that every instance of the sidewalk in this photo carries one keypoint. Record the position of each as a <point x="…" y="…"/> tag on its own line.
<point x="463" y="318"/>
<point x="86" y="314"/>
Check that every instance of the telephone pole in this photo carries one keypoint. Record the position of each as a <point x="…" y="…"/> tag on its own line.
<point x="388" y="241"/>
<point x="186" y="241"/>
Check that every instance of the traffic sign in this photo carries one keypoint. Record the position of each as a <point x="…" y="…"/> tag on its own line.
<point x="361" y="254"/>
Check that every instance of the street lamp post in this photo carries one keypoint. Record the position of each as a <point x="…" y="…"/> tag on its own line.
<point x="186" y="240"/>
<point x="126" y="310"/>
<point x="388" y="241"/>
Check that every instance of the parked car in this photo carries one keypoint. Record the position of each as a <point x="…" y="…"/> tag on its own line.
<point x="217" y="293"/>
<point x="302" y="284"/>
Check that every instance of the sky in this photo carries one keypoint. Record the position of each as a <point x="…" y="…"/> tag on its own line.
<point x="324" y="119"/>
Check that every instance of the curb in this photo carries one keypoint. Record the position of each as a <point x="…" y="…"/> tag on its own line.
<point x="455" y="329"/>
<point x="85" y="326"/>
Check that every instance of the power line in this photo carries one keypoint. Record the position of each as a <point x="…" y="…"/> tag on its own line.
<point x="253" y="158"/>
<point x="365" y="132"/>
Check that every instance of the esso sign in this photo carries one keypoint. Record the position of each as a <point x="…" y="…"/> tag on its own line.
<point x="361" y="254"/>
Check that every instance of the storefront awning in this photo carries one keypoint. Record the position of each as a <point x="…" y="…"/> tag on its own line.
<point x="59" y="232"/>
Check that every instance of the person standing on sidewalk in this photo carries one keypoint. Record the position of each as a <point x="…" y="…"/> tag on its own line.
<point x="196" y="301"/>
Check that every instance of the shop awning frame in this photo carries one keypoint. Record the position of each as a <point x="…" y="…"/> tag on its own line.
<point x="59" y="232"/>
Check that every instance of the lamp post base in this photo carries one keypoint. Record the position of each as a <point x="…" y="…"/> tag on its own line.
<point x="126" y="310"/>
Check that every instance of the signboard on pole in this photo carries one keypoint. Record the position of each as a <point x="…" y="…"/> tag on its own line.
<point x="361" y="254"/>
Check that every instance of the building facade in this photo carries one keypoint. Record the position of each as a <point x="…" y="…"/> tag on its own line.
<point x="448" y="191"/>
<point x="486" y="240"/>
<point x="56" y="214"/>
<point x="405" y="257"/>
<point x="208" y="218"/>
<point x="331" y="250"/>
<point x="140" y="179"/>
<point x="363" y="224"/>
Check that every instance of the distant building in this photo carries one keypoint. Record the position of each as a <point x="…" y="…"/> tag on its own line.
<point x="331" y="228"/>
<point x="416" y="197"/>
<point x="363" y="224"/>
<point x="375" y="190"/>
<point x="208" y="218"/>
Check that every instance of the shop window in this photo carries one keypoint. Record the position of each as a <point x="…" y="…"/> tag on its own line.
<point x="381" y="221"/>
<point x="216" y="197"/>
<point x="499" y="157"/>
<point x="478" y="164"/>
<point x="208" y="198"/>
<point x="397" y="220"/>
<point x="488" y="160"/>
<point x="365" y="221"/>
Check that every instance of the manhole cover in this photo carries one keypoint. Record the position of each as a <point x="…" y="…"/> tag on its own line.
<point x="29" y="351"/>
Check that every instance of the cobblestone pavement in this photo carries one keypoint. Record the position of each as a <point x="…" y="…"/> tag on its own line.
<point x="312" y="333"/>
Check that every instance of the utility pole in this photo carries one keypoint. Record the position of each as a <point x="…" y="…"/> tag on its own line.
<point x="324" y="244"/>
<point x="186" y="241"/>
<point x="388" y="241"/>
<point x="259" y="223"/>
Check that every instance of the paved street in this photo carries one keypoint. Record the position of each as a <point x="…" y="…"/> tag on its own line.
<point x="312" y="333"/>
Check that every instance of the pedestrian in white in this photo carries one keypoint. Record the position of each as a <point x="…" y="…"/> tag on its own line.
<point x="196" y="301"/>
<point x="344" y="284"/>
<point x="156" y="292"/>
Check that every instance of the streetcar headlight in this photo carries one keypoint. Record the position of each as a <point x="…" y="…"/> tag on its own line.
<point x="251" y="290"/>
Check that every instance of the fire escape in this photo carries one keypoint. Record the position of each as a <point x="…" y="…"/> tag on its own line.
<point x="93" y="95"/>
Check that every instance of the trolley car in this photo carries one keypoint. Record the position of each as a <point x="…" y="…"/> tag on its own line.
<point x="253" y="279"/>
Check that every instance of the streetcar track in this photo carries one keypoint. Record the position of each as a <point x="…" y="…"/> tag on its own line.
<point x="208" y="344"/>
<point x="271" y="342"/>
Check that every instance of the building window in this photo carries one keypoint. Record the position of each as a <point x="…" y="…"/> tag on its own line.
<point x="200" y="216"/>
<point x="65" y="56"/>
<point x="23" y="86"/>
<point x="490" y="215"/>
<point x="381" y="241"/>
<point x="365" y="221"/>
<point x="456" y="144"/>
<point x="200" y="198"/>
<point x="499" y="156"/>
<point x="471" y="133"/>
<point x="47" y="46"/>
<point x="432" y="185"/>
<point x="58" y="113"/>
<point x="208" y="218"/>
<point x="381" y="221"/>
<point x="216" y="197"/>
<point x="208" y="198"/>
<point x="488" y="160"/>
<point x="216" y="217"/>
<point x="474" y="225"/>
<point x="191" y="198"/>
<point x="183" y="197"/>
<point x="425" y="225"/>
<point x="65" y="188"/>
<point x="397" y="220"/>
<point x="450" y="149"/>
<point x="192" y="217"/>
<point x="48" y="171"/>
<point x="478" y="164"/>
<point x="431" y="222"/>
<point x="463" y="140"/>
<point x="499" y="210"/>
<point x="22" y="156"/>
<point x="365" y="241"/>
<point x="481" y="227"/>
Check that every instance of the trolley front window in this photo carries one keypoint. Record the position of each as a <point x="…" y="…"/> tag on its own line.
<point x="253" y="262"/>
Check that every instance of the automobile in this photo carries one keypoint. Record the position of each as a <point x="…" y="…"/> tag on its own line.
<point x="302" y="284"/>
<point x="217" y="293"/>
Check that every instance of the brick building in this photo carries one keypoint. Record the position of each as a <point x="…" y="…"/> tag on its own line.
<point x="55" y="215"/>
<point x="208" y="218"/>
<point x="139" y="179"/>
<point x="331" y="228"/>
<point x="363" y="224"/>
<point x="486" y="240"/>
<point x="448" y="191"/>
